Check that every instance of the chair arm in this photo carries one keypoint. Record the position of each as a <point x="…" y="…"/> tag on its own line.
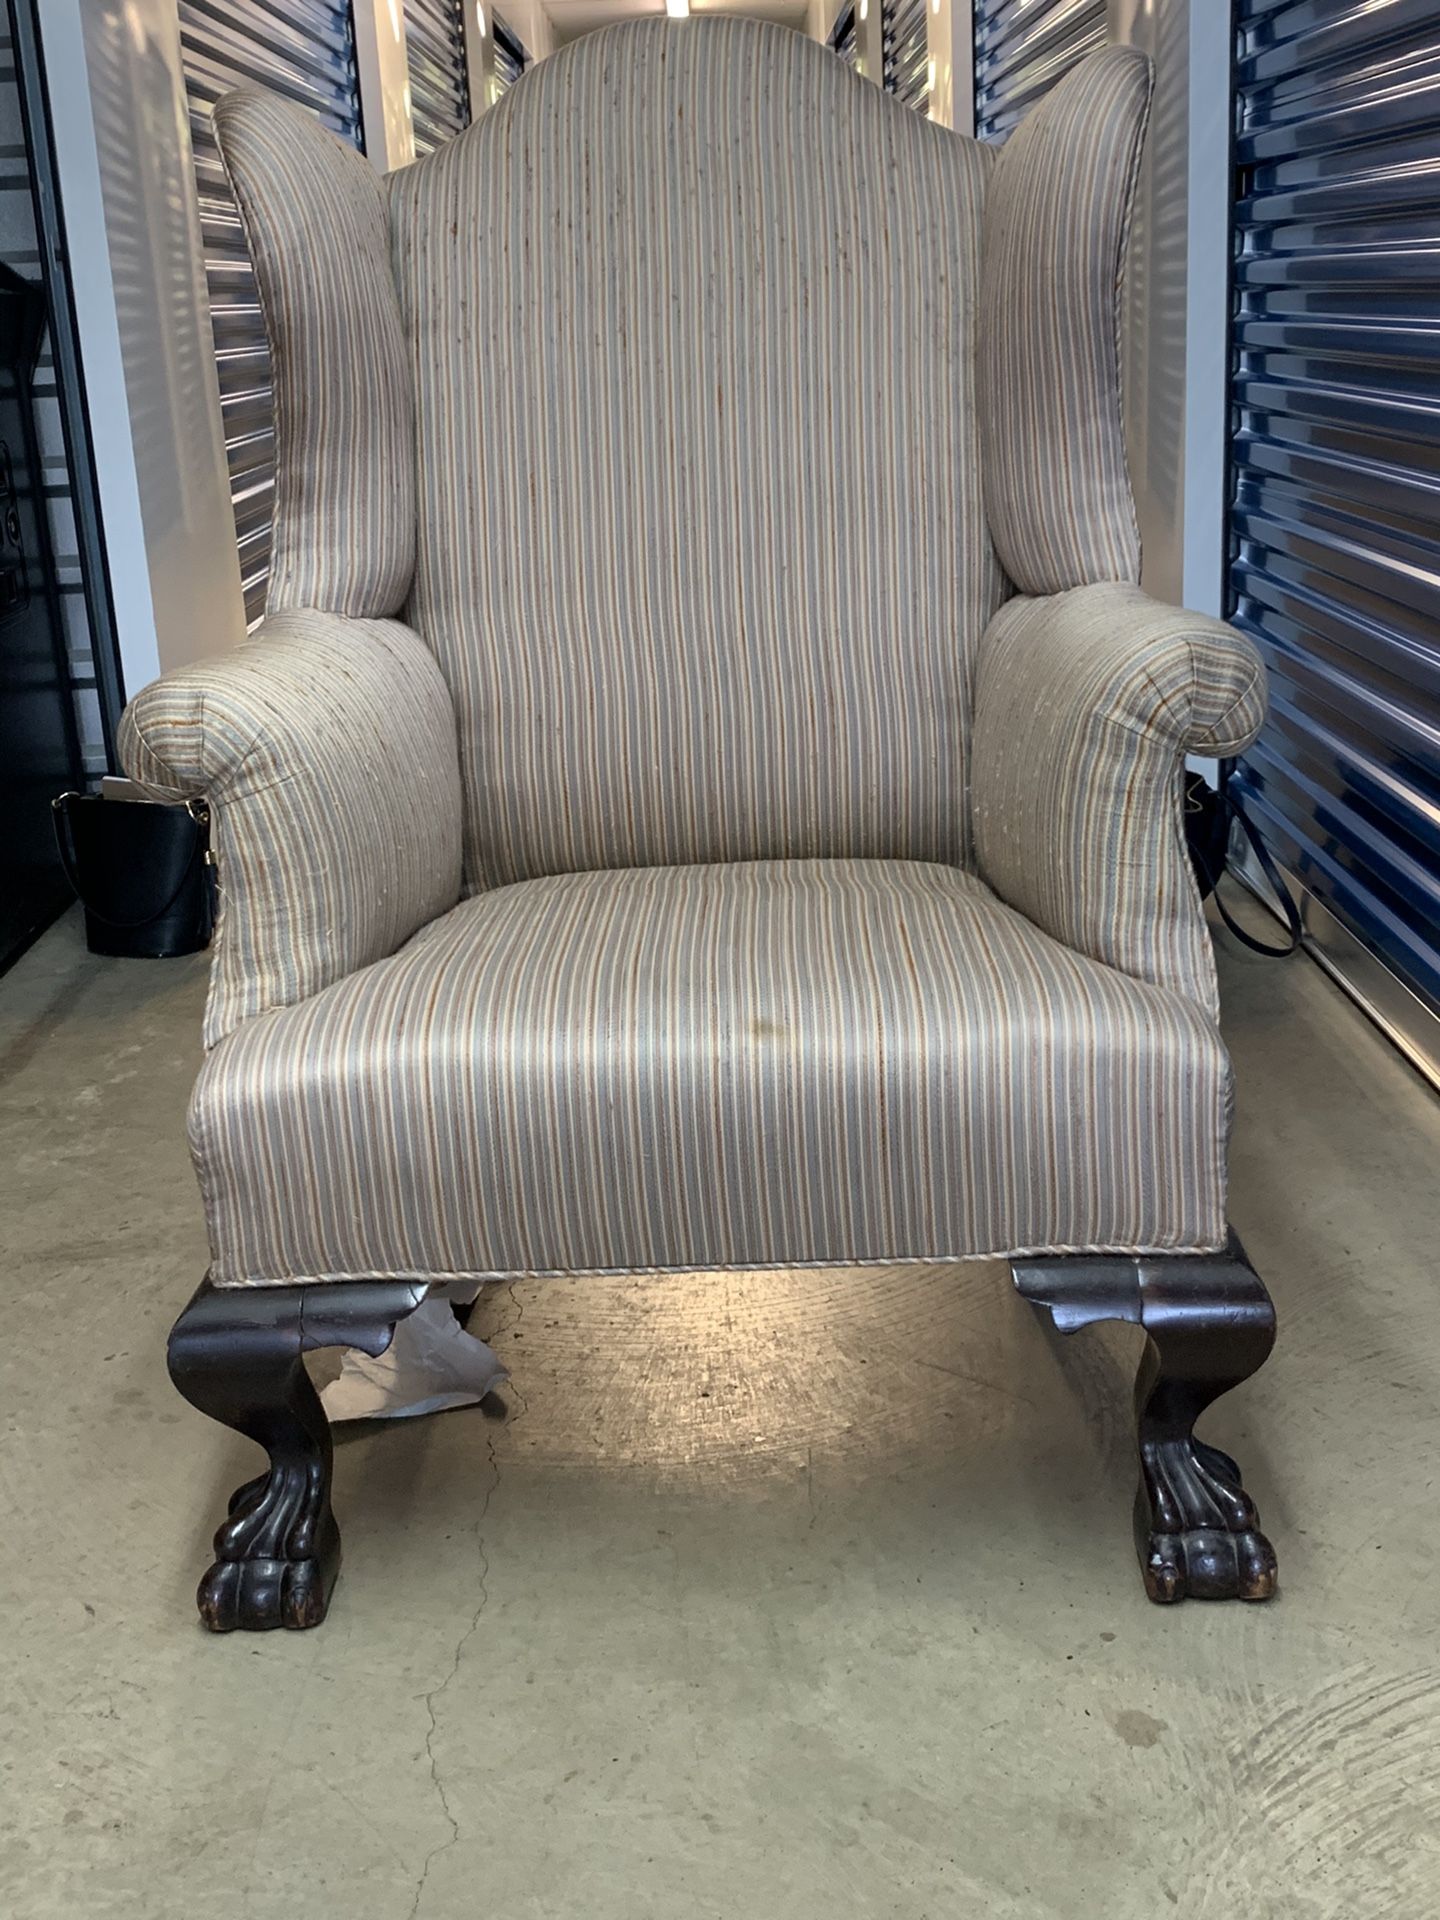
<point x="325" y="748"/>
<point x="1086" y="705"/>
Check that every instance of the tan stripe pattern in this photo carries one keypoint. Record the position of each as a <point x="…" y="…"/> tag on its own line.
<point x="316" y="223"/>
<point x="715" y="611"/>
<point x="710" y="1066"/>
<point x="1057" y="491"/>
<point x="326" y="749"/>
<point x="1086" y="705"/>
<point x="705" y="588"/>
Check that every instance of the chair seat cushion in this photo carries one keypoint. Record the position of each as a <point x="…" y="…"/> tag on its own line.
<point x="773" y="1063"/>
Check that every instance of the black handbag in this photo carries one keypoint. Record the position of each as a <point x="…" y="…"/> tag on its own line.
<point x="141" y="871"/>
<point x="1209" y="813"/>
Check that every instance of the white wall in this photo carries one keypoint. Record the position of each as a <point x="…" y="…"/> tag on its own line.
<point x="124" y="155"/>
<point x="382" y="70"/>
<point x="951" y="34"/>
<point x="870" y="40"/>
<point x="529" y="19"/>
<point x="1177" y="287"/>
<point x="1177" y="299"/>
<point x="123" y="152"/>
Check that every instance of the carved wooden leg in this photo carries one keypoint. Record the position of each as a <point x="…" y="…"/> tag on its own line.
<point x="235" y="1353"/>
<point x="1210" y="1324"/>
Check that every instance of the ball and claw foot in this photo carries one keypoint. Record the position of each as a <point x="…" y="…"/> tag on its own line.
<point x="277" y="1555"/>
<point x="239" y="1357"/>
<point x="1196" y="1529"/>
<point x="1210" y="1324"/>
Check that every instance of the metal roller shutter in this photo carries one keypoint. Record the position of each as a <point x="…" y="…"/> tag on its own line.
<point x="1335" y="496"/>
<point x="509" y="55"/>
<point x="907" y="53"/>
<point x="305" y="50"/>
<point x="844" y="40"/>
<point x="435" y="55"/>
<point x="1022" y="47"/>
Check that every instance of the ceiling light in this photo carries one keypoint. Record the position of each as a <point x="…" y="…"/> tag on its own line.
<point x="678" y="9"/>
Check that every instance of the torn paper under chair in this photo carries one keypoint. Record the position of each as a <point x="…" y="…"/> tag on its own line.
<point x="431" y="1364"/>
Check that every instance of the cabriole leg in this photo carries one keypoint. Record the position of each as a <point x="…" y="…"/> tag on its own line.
<point x="1210" y="1324"/>
<point x="236" y="1354"/>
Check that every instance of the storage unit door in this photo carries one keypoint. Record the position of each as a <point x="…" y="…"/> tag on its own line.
<point x="509" y="55"/>
<point x="843" y="38"/>
<point x="907" y="53"/>
<point x="305" y="50"/>
<point x="435" y="57"/>
<point x="1335" y="489"/>
<point x="1022" y="47"/>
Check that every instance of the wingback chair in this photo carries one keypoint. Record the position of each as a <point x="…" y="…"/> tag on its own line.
<point x="706" y="792"/>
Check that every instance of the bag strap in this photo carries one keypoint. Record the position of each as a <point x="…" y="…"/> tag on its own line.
<point x="1234" y="811"/>
<point x="65" y="841"/>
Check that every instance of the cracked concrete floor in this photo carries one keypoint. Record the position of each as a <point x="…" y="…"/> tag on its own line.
<point x="773" y="1595"/>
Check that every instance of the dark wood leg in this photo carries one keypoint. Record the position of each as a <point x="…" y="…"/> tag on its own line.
<point x="235" y="1353"/>
<point x="1210" y="1324"/>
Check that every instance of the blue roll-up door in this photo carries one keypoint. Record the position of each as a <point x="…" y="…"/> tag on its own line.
<point x="510" y="57"/>
<point x="1335" y="495"/>
<point x="1022" y="47"/>
<point x="305" y="50"/>
<point x="435" y="57"/>
<point x="843" y="38"/>
<point x="907" y="53"/>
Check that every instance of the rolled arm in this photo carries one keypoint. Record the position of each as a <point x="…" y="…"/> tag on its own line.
<point x="325" y="748"/>
<point x="1086" y="705"/>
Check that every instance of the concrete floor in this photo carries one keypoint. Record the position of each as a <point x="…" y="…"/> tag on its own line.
<point x="779" y="1596"/>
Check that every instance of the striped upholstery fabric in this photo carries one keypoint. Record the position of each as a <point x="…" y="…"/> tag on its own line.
<point x="1086" y="705"/>
<point x="706" y="1066"/>
<point x="326" y="749"/>
<point x="316" y="223"/>
<point x="706" y="652"/>
<point x="1057" y="492"/>
<point x="701" y="591"/>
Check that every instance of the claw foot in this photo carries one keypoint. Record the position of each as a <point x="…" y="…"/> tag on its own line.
<point x="255" y="1595"/>
<point x="1209" y="1324"/>
<point x="239" y="1355"/>
<point x="1206" y="1563"/>
<point x="278" y="1554"/>
<point x="1196" y="1528"/>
